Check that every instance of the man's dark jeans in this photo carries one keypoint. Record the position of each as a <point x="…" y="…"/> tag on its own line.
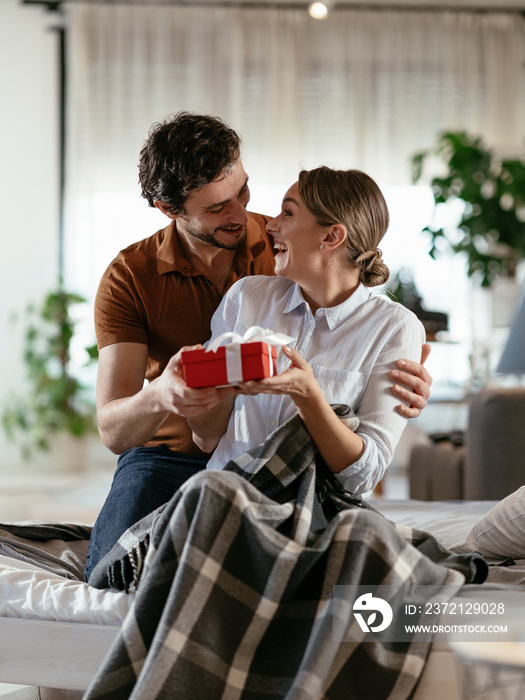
<point x="146" y="478"/>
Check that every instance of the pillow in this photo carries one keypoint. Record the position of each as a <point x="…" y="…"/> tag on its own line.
<point x="501" y="532"/>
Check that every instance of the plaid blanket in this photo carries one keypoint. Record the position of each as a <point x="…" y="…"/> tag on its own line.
<point x="235" y="593"/>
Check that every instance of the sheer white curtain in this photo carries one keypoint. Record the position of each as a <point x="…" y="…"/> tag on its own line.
<point x="361" y="89"/>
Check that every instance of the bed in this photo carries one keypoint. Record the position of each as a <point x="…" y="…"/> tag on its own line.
<point x="55" y="631"/>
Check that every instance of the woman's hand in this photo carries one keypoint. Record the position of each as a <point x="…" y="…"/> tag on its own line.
<point x="338" y="445"/>
<point x="297" y="381"/>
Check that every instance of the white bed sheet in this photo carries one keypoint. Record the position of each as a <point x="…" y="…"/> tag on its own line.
<point x="27" y="591"/>
<point x="449" y="521"/>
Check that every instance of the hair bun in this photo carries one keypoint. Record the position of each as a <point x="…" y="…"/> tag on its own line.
<point x="367" y="255"/>
<point x="373" y="270"/>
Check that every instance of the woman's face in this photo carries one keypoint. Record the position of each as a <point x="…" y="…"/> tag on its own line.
<point x="297" y="239"/>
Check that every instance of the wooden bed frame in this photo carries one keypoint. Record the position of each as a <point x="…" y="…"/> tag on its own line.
<point x="47" y="654"/>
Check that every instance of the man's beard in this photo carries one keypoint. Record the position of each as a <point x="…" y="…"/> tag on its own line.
<point x="211" y="238"/>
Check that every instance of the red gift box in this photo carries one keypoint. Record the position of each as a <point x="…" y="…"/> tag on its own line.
<point x="202" y="368"/>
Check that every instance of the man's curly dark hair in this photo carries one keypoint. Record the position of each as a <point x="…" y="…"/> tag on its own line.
<point x="184" y="153"/>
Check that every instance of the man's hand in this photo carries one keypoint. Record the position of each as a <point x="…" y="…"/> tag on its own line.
<point x="176" y="396"/>
<point x="129" y="413"/>
<point x="413" y="384"/>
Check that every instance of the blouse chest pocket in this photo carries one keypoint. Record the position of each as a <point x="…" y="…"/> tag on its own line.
<point x="339" y="385"/>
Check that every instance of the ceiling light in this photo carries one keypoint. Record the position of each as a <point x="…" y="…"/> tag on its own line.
<point x="318" y="10"/>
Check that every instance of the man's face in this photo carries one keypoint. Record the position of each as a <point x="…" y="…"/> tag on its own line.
<point x="216" y="214"/>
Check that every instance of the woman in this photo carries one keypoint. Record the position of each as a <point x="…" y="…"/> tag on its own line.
<point x="326" y="258"/>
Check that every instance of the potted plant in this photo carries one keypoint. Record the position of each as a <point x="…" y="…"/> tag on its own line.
<point x="402" y="288"/>
<point x="491" y="230"/>
<point x="56" y="402"/>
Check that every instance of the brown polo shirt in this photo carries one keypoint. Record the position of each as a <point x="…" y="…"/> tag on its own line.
<point x="151" y="294"/>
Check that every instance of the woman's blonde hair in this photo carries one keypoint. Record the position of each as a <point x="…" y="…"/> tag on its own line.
<point x="351" y="198"/>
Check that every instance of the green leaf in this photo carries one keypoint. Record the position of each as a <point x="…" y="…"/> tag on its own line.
<point x="56" y="400"/>
<point x="493" y="193"/>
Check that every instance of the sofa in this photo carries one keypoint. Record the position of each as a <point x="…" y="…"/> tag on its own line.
<point x="487" y="462"/>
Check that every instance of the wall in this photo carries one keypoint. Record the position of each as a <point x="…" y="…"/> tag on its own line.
<point x="29" y="188"/>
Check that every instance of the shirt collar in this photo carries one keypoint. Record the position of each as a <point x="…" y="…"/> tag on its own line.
<point x="171" y="258"/>
<point x="335" y="315"/>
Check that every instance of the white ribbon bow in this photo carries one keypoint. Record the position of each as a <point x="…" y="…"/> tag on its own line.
<point x="255" y="334"/>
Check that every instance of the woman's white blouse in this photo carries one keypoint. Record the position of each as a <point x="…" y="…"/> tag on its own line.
<point x="351" y="348"/>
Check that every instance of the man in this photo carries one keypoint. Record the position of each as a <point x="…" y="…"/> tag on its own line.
<point x="158" y="295"/>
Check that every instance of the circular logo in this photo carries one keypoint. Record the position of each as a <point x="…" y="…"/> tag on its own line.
<point x="368" y="606"/>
